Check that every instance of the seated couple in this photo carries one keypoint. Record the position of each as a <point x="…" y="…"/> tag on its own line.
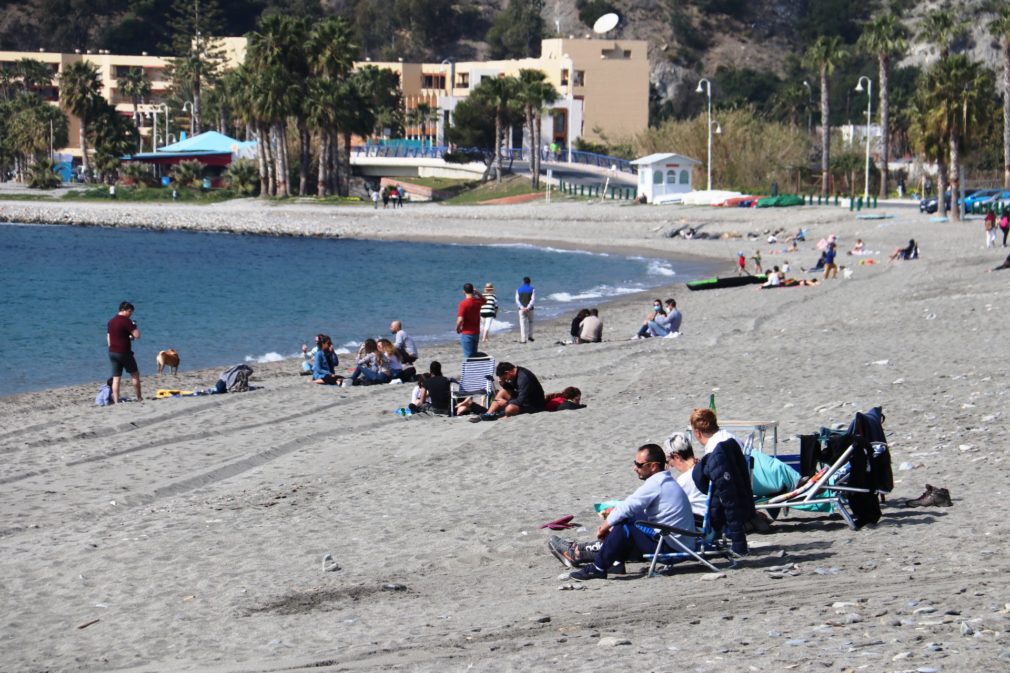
<point x="521" y="393"/>
<point x="663" y="500"/>
<point x="661" y="322"/>
<point x="432" y="394"/>
<point x="587" y="328"/>
<point x="379" y="362"/>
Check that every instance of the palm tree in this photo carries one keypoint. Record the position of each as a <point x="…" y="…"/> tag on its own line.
<point x="80" y="90"/>
<point x="135" y="85"/>
<point x="499" y="94"/>
<point x="1000" y="29"/>
<point x="355" y="116"/>
<point x="825" y="55"/>
<point x="958" y="91"/>
<point x="420" y="116"/>
<point x="942" y="26"/>
<point x="32" y="73"/>
<point x="535" y="92"/>
<point x="884" y="37"/>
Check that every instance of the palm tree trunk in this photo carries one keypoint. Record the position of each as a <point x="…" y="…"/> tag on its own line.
<point x="497" y="146"/>
<point x="955" y="175"/>
<point x="262" y="161"/>
<point x="85" y="162"/>
<point x="281" y="160"/>
<point x="885" y="125"/>
<point x="344" y="186"/>
<point x="194" y="122"/>
<point x="533" y="163"/>
<point x="321" y="169"/>
<point x="825" y="135"/>
<point x="268" y="143"/>
<point x="136" y="124"/>
<point x="304" y="141"/>
<point x="941" y="186"/>
<point x="1006" y="113"/>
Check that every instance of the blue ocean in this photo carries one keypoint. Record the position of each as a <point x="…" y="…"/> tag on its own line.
<point x="220" y="299"/>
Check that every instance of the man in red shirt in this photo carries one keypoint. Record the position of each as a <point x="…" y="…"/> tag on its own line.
<point x="121" y="332"/>
<point x="468" y="320"/>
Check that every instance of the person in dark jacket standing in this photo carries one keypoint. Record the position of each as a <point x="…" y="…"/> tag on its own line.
<point x="725" y="468"/>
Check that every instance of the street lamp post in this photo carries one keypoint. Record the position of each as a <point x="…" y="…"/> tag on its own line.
<point x="810" y="99"/>
<point x="869" y="117"/>
<point x="708" y="91"/>
<point x="192" y="118"/>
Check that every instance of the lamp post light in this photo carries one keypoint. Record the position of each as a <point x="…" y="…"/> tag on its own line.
<point x="810" y="98"/>
<point x="708" y="91"/>
<point x="869" y="117"/>
<point x="192" y="118"/>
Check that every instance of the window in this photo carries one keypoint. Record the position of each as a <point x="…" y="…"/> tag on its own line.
<point x="564" y="77"/>
<point x="463" y="80"/>
<point x="580" y="78"/>
<point x="433" y="81"/>
<point x="685" y="177"/>
<point x="671" y="177"/>
<point x="657" y="177"/>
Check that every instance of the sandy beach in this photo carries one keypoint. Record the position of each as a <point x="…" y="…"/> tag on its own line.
<point x="189" y="534"/>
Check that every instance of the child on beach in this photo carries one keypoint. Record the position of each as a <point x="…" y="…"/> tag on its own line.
<point x="104" y="397"/>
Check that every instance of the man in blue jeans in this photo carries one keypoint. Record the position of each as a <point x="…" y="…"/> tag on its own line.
<point x="659" y="499"/>
<point x="468" y="320"/>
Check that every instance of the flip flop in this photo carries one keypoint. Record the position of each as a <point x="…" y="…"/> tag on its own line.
<point x="564" y="523"/>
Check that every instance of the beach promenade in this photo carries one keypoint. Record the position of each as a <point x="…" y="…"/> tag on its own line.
<point x="188" y="534"/>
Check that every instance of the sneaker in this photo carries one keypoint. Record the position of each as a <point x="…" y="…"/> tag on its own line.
<point x="562" y="550"/>
<point x="589" y="572"/>
<point x="532" y="339"/>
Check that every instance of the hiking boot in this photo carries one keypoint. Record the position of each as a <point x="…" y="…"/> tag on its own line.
<point x="589" y="572"/>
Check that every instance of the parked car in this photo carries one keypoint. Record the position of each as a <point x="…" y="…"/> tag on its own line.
<point x="931" y="205"/>
<point x="1001" y="199"/>
<point x="980" y="197"/>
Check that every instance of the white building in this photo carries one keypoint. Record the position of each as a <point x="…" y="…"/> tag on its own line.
<point x="664" y="177"/>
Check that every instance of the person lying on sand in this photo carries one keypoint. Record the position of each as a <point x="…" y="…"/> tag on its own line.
<point x="569" y="398"/>
<point x="660" y="499"/>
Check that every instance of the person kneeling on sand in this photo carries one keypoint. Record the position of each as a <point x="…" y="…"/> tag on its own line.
<point x="725" y="468"/>
<point x="521" y="393"/>
<point x="660" y="499"/>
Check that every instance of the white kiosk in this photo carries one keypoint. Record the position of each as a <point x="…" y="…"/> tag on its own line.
<point x="665" y="178"/>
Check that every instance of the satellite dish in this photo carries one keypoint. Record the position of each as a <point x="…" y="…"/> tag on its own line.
<point x="606" y="23"/>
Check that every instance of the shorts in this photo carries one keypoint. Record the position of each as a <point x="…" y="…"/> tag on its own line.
<point x="121" y="361"/>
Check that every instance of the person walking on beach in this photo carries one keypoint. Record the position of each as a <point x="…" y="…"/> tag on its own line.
<point x="526" y="295"/>
<point x="1004" y="225"/>
<point x="375" y="198"/>
<point x="830" y="268"/>
<point x="990" y="229"/>
<point x="121" y="332"/>
<point x="468" y="320"/>
<point x="488" y="312"/>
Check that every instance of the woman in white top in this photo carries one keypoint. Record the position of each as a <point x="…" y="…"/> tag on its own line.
<point x="488" y="312"/>
<point x="680" y="457"/>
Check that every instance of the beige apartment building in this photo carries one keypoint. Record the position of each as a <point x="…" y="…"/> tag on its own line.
<point x="604" y="87"/>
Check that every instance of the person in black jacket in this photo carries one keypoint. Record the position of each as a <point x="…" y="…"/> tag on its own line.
<point x="725" y="468"/>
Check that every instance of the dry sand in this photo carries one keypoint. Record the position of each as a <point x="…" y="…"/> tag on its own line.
<point x="188" y="534"/>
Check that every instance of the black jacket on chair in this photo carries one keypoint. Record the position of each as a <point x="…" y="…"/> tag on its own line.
<point x="732" y="502"/>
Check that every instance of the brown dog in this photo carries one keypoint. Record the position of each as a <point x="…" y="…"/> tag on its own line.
<point x="168" y="358"/>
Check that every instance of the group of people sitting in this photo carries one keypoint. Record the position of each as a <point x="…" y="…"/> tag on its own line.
<point x="678" y="502"/>
<point x="377" y="360"/>
<point x="776" y="277"/>
<point x="664" y="320"/>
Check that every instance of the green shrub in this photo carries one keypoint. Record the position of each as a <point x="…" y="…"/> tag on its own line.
<point x="243" y="177"/>
<point x="42" y="175"/>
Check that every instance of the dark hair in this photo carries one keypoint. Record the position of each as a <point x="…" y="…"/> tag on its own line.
<point x="654" y="453"/>
<point x="571" y="392"/>
<point x="503" y="368"/>
<point x="672" y="302"/>
<point x="125" y="306"/>
<point x="582" y="313"/>
<point x="323" y="339"/>
<point x="435" y="368"/>
<point x="526" y="279"/>
<point x="468" y="288"/>
<point x="370" y="346"/>
<point x="594" y="311"/>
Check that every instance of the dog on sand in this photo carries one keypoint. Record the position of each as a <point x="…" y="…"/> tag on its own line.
<point x="168" y="358"/>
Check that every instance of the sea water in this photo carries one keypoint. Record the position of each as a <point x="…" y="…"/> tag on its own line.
<point x="221" y="299"/>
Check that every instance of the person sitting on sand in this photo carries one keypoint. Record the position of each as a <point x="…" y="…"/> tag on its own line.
<point x="724" y="468"/>
<point x="680" y="457"/>
<point x="405" y="348"/>
<point x="1004" y="265"/>
<point x="521" y="393"/>
<point x="104" y="396"/>
<point x="577" y="324"/>
<point x="309" y="356"/>
<point x="324" y="364"/>
<point x="591" y="328"/>
<point x="910" y="251"/>
<point x="393" y="366"/>
<point x="663" y="324"/>
<point x="660" y="499"/>
<point x="858" y="248"/>
<point x="371" y="366"/>
<point x="569" y="398"/>
<point x="435" y="392"/>
<point x="774" y="277"/>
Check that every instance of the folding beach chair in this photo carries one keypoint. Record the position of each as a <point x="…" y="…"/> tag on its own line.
<point x="699" y="545"/>
<point x="476" y="380"/>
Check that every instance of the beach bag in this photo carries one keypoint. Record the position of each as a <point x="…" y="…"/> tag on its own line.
<point x="235" y="379"/>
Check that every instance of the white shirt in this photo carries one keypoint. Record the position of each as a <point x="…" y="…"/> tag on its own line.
<point x="698" y="500"/>
<point x="715" y="439"/>
<point x="404" y="341"/>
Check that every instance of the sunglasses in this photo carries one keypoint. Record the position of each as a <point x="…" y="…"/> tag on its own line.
<point x="641" y="465"/>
